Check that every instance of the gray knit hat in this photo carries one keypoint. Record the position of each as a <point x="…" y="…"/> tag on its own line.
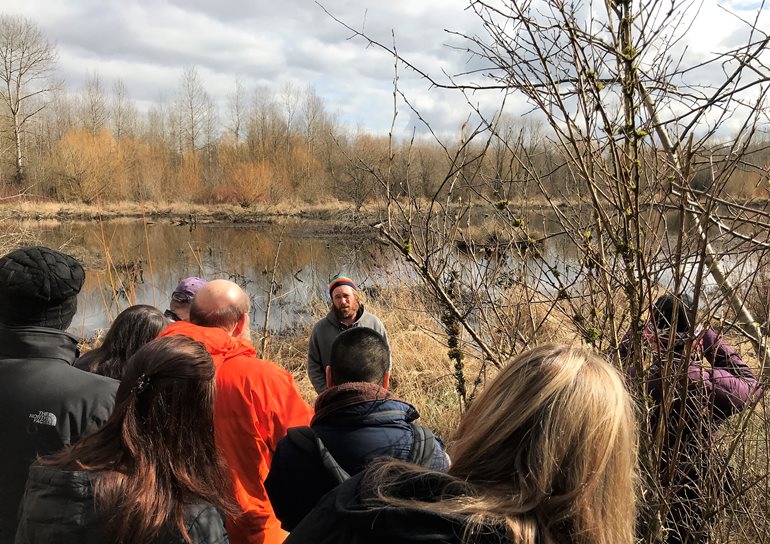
<point x="39" y="287"/>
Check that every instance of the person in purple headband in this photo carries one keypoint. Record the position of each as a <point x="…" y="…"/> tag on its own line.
<point x="182" y="297"/>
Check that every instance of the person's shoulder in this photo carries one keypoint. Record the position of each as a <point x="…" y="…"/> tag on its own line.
<point x="49" y="477"/>
<point x="355" y="507"/>
<point x="370" y="320"/>
<point x="84" y="361"/>
<point x="253" y="364"/>
<point x="322" y="524"/>
<point x="99" y="382"/>
<point x="204" y="524"/>
<point x="293" y="454"/>
<point x="201" y="511"/>
<point x="91" y="384"/>
<point x="98" y="395"/>
<point x="709" y="337"/>
<point x="250" y="368"/>
<point x="323" y="323"/>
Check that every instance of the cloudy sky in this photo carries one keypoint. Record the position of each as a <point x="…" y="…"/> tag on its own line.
<point x="148" y="43"/>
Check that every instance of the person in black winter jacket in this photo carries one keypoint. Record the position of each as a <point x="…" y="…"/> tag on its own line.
<point x="151" y="475"/>
<point x="45" y="403"/>
<point x="546" y="454"/>
<point x="356" y="421"/>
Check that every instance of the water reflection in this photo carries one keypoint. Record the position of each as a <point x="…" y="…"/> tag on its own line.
<point x="137" y="262"/>
<point x="140" y="262"/>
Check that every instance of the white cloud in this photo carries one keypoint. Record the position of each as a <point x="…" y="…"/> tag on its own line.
<point x="149" y="42"/>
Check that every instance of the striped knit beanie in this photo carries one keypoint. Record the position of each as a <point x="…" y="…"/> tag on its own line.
<point x="338" y="280"/>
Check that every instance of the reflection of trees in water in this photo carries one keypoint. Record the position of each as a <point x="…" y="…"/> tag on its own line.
<point x="147" y="261"/>
<point x="131" y="262"/>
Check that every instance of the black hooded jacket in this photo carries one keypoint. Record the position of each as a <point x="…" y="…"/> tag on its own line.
<point x="45" y="404"/>
<point x="357" y="423"/>
<point x="58" y="506"/>
<point x="350" y="514"/>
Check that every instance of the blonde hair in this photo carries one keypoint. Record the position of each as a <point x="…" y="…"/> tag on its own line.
<point x="548" y="447"/>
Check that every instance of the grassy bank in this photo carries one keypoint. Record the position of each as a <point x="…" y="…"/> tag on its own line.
<point x="422" y="372"/>
<point x="178" y="211"/>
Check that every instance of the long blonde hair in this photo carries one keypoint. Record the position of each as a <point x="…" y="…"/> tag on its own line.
<point x="548" y="448"/>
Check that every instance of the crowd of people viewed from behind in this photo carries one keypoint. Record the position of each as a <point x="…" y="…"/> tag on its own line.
<point x="174" y="431"/>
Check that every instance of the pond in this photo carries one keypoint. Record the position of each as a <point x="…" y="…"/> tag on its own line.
<point x="140" y="262"/>
<point x="135" y="261"/>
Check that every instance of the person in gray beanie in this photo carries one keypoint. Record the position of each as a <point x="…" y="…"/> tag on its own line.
<point x="45" y="403"/>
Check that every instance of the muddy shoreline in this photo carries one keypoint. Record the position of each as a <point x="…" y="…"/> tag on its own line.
<point x="315" y="221"/>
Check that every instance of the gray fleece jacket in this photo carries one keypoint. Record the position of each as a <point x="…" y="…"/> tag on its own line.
<point x="324" y="332"/>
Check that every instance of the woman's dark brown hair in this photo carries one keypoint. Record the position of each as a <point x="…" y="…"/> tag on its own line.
<point x="132" y="328"/>
<point x="156" y="453"/>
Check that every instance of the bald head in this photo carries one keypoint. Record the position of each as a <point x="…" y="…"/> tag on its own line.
<point x="219" y="303"/>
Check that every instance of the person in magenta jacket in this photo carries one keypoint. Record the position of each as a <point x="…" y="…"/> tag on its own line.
<point x="695" y="380"/>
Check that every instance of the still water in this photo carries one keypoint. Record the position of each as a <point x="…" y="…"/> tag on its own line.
<point x="136" y="262"/>
<point x="140" y="262"/>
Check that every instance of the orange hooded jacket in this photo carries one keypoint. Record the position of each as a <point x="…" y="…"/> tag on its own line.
<point x="256" y="402"/>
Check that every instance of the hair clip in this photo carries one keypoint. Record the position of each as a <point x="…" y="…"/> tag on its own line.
<point x="141" y="383"/>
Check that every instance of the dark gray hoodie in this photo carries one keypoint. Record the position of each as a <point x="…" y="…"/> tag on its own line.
<point x="319" y="350"/>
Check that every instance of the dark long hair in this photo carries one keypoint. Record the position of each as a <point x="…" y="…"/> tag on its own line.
<point x="156" y="452"/>
<point x="132" y="328"/>
<point x="666" y="306"/>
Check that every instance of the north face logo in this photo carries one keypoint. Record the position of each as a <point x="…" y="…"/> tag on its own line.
<point x="43" y="418"/>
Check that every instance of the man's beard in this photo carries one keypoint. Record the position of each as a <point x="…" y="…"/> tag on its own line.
<point x="344" y="314"/>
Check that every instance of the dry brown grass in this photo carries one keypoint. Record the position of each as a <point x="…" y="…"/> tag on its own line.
<point x="41" y="210"/>
<point x="35" y="209"/>
<point x="422" y="372"/>
<point x="17" y="235"/>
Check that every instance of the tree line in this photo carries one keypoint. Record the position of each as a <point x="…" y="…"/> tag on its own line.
<point x="265" y="145"/>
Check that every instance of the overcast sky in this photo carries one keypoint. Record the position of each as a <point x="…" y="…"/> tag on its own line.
<point x="148" y="43"/>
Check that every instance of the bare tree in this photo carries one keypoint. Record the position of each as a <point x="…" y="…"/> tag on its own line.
<point x="265" y="128"/>
<point x="43" y="134"/>
<point x="628" y="120"/>
<point x="210" y="131"/>
<point x="237" y="111"/>
<point x="94" y="110"/>
<point x="193" y="104"/>
<point x="291" y="98"/>
<point x="124" y="113"/>
<point x="27" y="63"/>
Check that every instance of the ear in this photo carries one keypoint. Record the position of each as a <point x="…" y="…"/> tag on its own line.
<point x="241" y="326"/>
<point x="386" y="380"/>
<point x="328" y="369"/>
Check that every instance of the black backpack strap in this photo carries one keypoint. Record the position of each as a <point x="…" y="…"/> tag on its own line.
<point x="423" y="446"/>
<point x="308" y="441"/>
<point x="304" y="438"/>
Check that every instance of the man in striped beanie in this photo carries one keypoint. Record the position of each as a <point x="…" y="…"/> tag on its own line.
<point x="346" y="311"/>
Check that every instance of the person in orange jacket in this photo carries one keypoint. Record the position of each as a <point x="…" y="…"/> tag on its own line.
<point x="256" y="402"/>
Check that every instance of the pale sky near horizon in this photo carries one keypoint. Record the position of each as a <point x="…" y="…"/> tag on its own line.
<point x="148" y="43"/>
